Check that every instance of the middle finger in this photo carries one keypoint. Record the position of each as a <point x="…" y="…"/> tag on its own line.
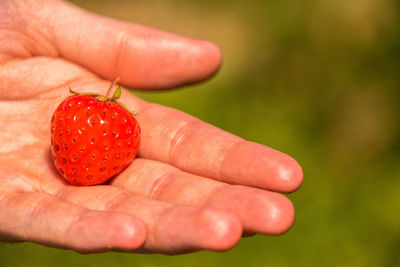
<point x="260" y="211"/>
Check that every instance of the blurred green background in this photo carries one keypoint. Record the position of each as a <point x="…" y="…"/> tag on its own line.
<point x="318" y="80"/>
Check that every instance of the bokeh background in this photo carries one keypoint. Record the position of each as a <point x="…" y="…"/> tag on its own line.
<point x="317" y="79"/>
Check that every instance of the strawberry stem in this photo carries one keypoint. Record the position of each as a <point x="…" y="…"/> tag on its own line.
<point x="72" y="91"/>
<point x="116" y="95"/>
<point x="111" y="86"/>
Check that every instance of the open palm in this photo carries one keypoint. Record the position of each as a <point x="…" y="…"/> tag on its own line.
<point x="192" y="187"/>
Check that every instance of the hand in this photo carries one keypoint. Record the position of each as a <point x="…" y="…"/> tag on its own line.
<point x="192" y="187"/>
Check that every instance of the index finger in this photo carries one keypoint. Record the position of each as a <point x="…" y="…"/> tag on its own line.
<point x="143" y="57"/>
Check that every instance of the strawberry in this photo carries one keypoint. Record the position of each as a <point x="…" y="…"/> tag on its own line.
<point x="93" y="137"/>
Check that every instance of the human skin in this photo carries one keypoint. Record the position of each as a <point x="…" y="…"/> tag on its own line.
<point x="192" y="187"/>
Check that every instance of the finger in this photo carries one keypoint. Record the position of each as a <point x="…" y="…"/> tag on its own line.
<point x="45" y="219"/>
<point x="143" y="57"/>
<point x="173" y="137"/>
<point x="260" y="211"/>
<point x="171" y="228"/>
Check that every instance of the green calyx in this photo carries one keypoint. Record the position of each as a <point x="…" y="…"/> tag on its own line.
<point x="115" y="96"/>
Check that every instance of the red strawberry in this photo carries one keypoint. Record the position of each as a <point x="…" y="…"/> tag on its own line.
<point x="93" y="137"/>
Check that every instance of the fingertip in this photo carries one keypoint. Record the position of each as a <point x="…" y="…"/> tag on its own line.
<point x="281" y="215"/>
<point x="97" y="231"/>
<point x="132" y="235"/>
<point x="253" y="164"/>
<point x="169" y="61"/>
<point x="198" y="61"/>
<point x="289" y="173"/>
<point x="212" y="53"/>
<point x="260" y="211"/>
<point x="222" y="229"/>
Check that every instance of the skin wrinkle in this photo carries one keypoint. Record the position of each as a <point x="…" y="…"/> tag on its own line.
<point x="120" y="51"/>
<point x="215" y="193"/>
<point x="4" y="200"/>
<point x="61" y="192"/>
<point x="38" y="68"/>
<point x="178" y="183"/>
<point x="75" y="20"/>
<point x="71" y="224"/>
<point x="14" y="44"/>
<point x="143" y="110"/>
<point x="116" y="201"/>
<point x="43" y="44"/>
<point x="33" y="214"/>
<point x="33" y="45"/>
<point x="149" y="188"/>
<point x="159" y="183"/>
<point x="231" y="149"/>
<point x="12" y="180"/>
<point x="51" y="13"/>
<point x="177" y="137"/>
<point x="153" y="227"/>
<point x="12" y="27"/>
<point x="167" y="216"/>
<point x="46" y="40"/>
<point x="17" y="179"/>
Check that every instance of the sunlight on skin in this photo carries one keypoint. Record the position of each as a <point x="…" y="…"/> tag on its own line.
<point x="14" y="141"/>
<point x="37" y="205"/>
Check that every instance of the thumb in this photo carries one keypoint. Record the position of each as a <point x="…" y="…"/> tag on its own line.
<point x="143" y="57"/>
